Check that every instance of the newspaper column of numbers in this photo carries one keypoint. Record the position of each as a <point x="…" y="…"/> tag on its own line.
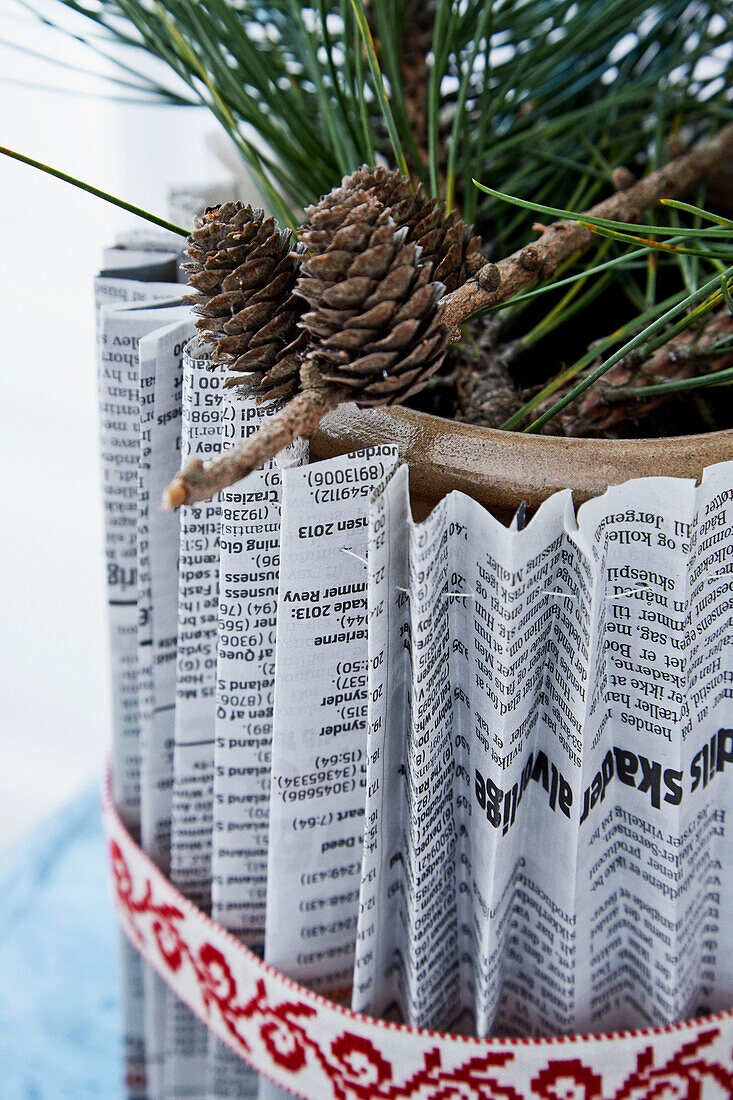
<point x="319" y="732"/>
<point x="249" y="563"/>
<point x="186" y="1065"/>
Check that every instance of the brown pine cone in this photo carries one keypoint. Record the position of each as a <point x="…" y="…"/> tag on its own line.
<point x="333" y="213"/>
<point x="374" y="318"/>
<point x="373" y="328"/>
<point x="446" y="241"/>
<point x="244" y="272"/>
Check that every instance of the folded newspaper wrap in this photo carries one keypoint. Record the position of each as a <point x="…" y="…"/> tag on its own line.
<point x="480" y="774"/>
<point x="319" y="1050"/>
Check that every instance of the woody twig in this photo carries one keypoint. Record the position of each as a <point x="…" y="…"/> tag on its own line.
<point x="299" y="419"/>
<point x="496" y="283"/>
<point x="386" y="375"/>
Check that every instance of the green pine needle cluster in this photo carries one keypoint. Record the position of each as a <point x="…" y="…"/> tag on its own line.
<point x="707" y="279"/>
<point x="537" y="100"/>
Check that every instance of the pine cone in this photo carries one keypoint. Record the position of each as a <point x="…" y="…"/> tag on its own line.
<point x="244" y="272"/>
<point x="374" y="328"/>
<point x="446" y="241"/>
<point x="374" y="322"/>
<point x="333" y="213"/>
<point x="485" y="391"/>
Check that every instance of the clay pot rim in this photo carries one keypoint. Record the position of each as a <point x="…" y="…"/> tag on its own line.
<point x="501" y="469"/>
<point x="402" y="412"/>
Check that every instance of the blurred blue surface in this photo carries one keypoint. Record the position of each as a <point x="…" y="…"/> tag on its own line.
<point x="59" y="1021"/>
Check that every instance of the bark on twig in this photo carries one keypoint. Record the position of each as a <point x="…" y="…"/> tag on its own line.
<point x="491" y="285"/>
<point x="299" y="418"/>
<point x="561" y="239"/>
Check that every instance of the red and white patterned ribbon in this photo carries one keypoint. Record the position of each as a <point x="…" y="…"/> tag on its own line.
<point x="320" y="1051"/>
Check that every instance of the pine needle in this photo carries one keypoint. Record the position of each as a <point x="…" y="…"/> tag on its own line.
<point x="97" y="191"/>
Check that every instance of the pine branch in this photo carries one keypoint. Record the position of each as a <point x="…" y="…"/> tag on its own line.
<point x="640" y="383"/>
<point x="373" y="329"/>
<point x="298" y="419"/>
<point x="496" y="283"/>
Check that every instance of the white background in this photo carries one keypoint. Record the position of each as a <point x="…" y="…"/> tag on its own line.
<point x="54" y="680"/>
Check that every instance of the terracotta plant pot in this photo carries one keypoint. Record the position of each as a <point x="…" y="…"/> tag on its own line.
<point x="501" y="469"/>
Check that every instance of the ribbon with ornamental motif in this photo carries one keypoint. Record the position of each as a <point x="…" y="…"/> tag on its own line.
<point x="319" y="1050"/>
